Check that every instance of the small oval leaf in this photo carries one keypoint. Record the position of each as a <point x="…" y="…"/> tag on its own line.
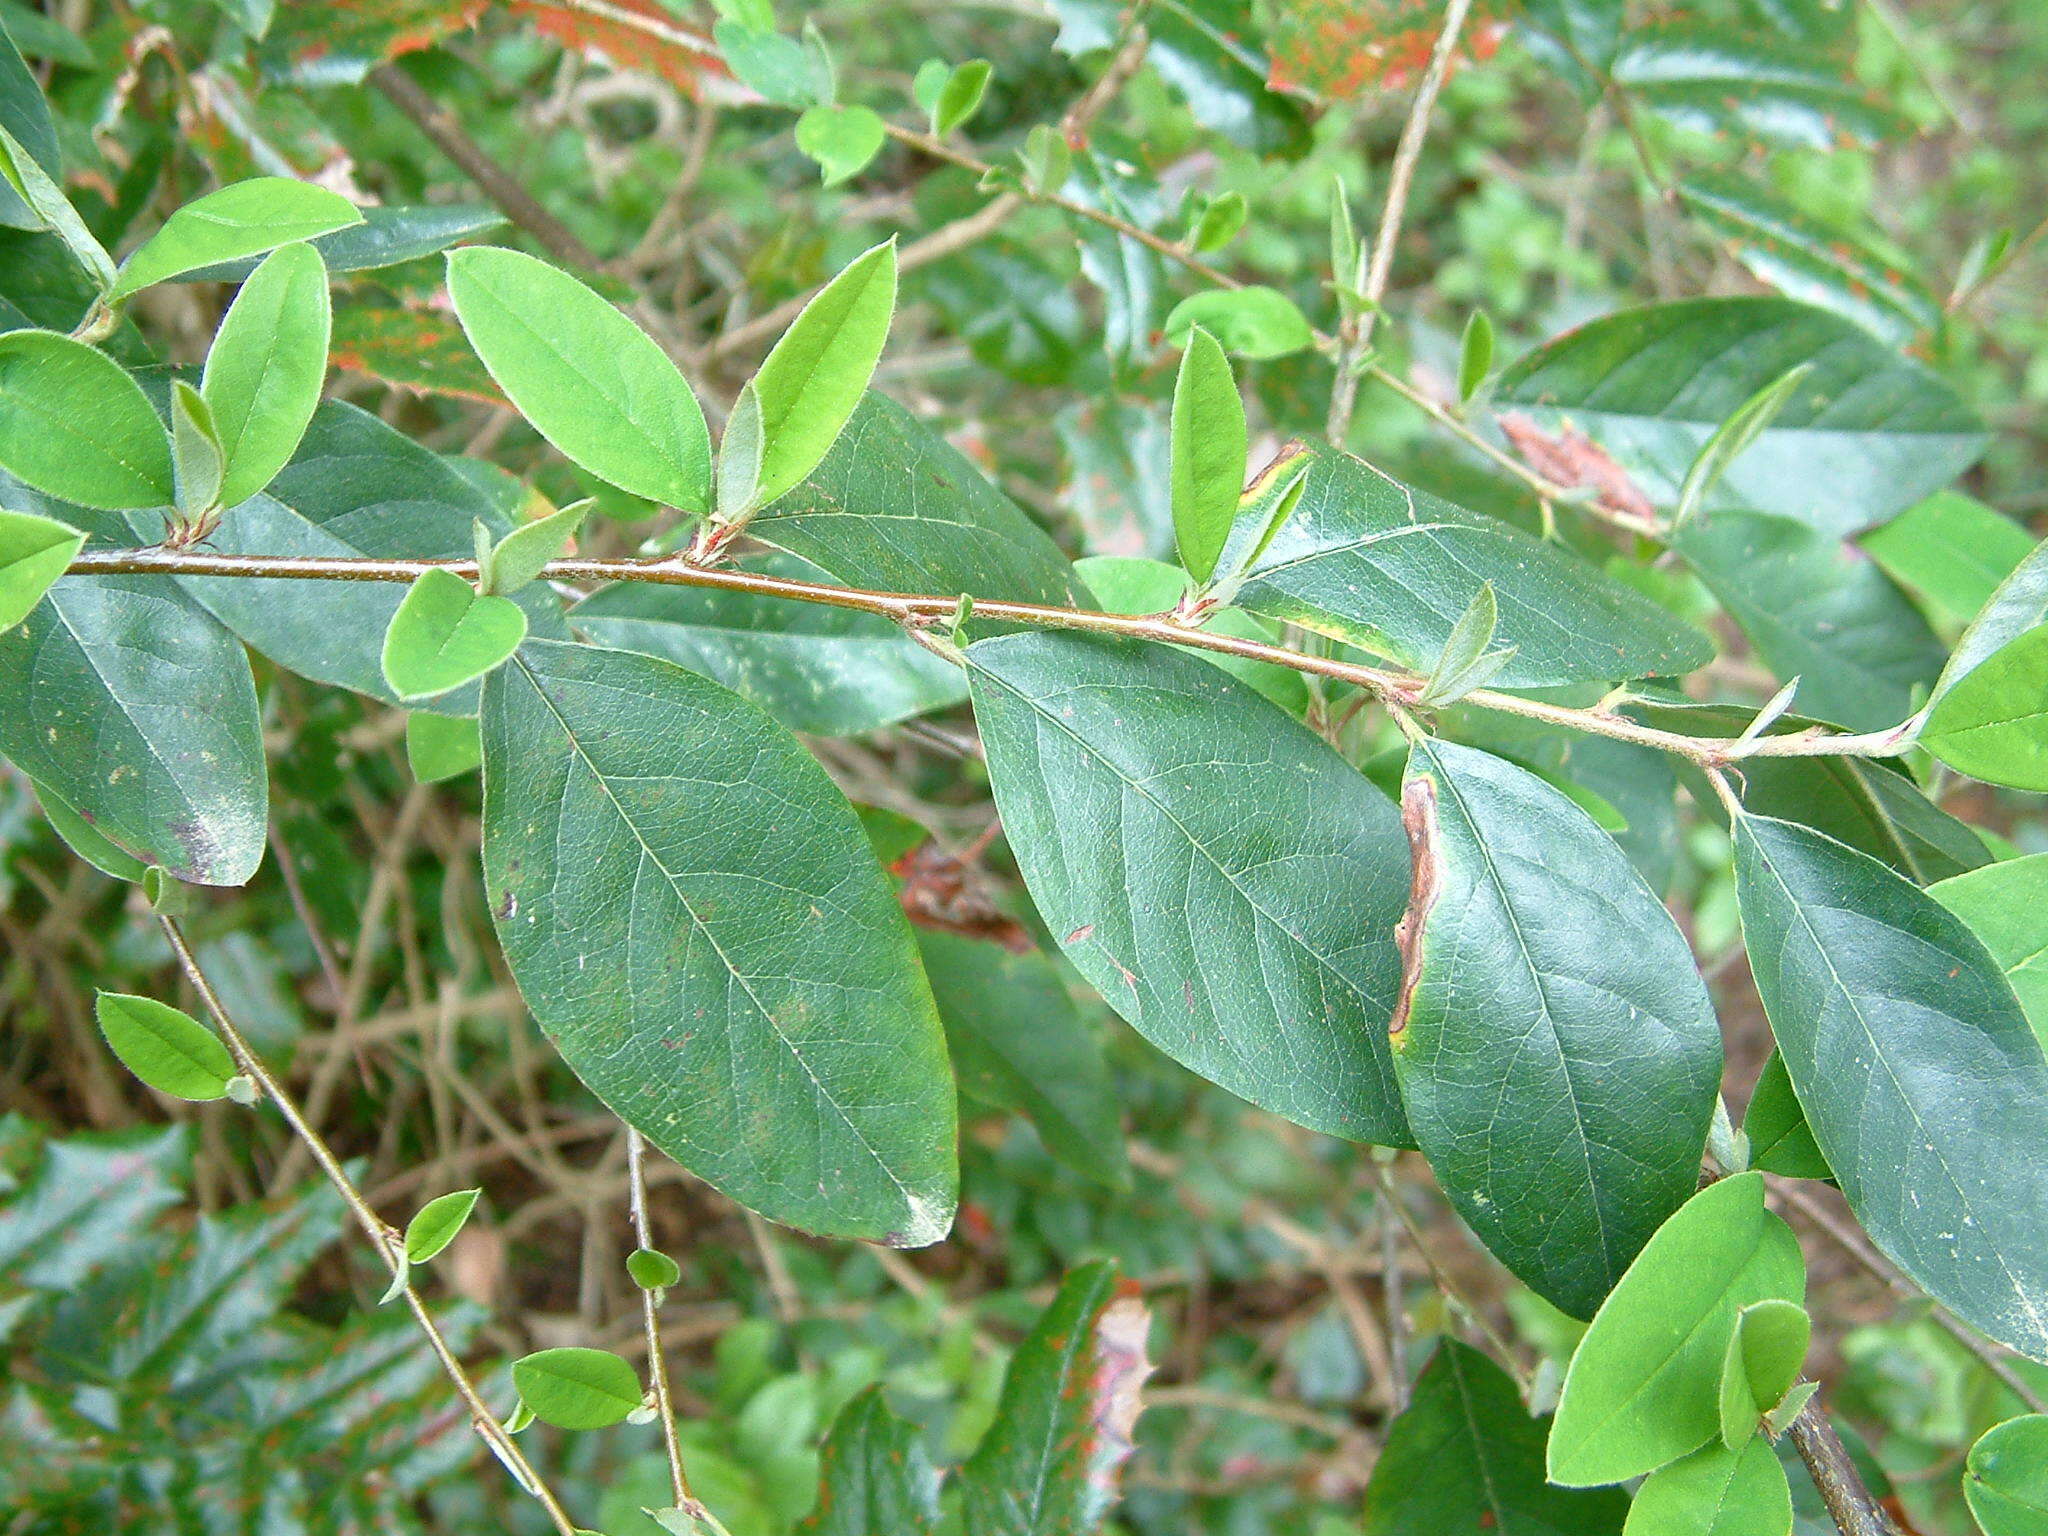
<point x="167" y="1048"/>
<point x="574" y="1388"/>
<point x="436" y="1224"/>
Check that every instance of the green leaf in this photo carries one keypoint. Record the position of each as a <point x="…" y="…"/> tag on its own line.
<point x="2019" y="604"/>
<point x="778" y="67"/>
<point x="169" y="1050"/>
<point x="821" y="670"/>
<point x="2002" y="904"/>
<point x="445" y="634"/>
<point x="525" y="552"/>
<point x="591" y="381"/>
<point x="434" y="1226"/>
<point x="1465" y="662"/>
<point x="1549" y="1002"/>
<point x="1950" y="551"/>
<point x="2006" y="1484"/>
<point x="1252" y="322"/>
<point x="84" y="1202"/>
<point x="85" y="840"/>
<point x="652" y="1270"/>
<point x="1209" y="453"/>
<point x="25" y="183"/>
<point x="959" y="97"/>
<point x="25" y="118"/>
<point x="814" y="378"/>
<point x="441" y="747"/>
<point x="34" y="552"/>
<point x="197" y="463"/>
<point x="875" y="1476"/>
<point x="1765" y="1353"/>
<point x="1726" y="79"/>
<point x="1132" y="584"/>
<point x="1018" y="1043"/>
<point x="1643" y="1387"/>
<point x="1816" y="611"/>
<point x="75" y="425"/>
<point x="577" y="1388"/>
<point x="1925" y="1088"/>
<point x="1367" y="560"/>
<point x="1220" y="875"/>
<point x="1220" y="222"/>
<point x="1131" y="275"/>
<point x="387" y="235"/>
<point x="841" y="139"/>
<point x="245" y="219"/>
<point x="266" y="367"/>
<point x="740" y="452"/>
<point x="1744" y="425"/>
<point x="1865" y="435"/>
<point x="1868" y="804"/>
<point x="1048" y="1465"/>
<point x="691" y="911"/>
<point x="1716" y="1492"/>
<point x="1780" y="1140"/>
<point x="1465" y="1456"/>
<point x="1475" y="355"/>
<point x="1992" y="722"/>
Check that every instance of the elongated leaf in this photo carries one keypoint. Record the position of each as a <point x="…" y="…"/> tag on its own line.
<point x="434" y="1226"/>
<point x="167" y="1048"/>
<point x="34" y="552"/>
<point x="1711" y="78"/>
<point x="1048" y="1466"/>
<point x="1992" y="722"/>
<point x="2003" y="904"/>
<point x="1465" y="1456"/>
<point x="1716" y="1492"/>
<point x="26" y="118"/>
<point x="245" y="219"/>
<point x="895" y="507"/>
<point x="2019" y="604"/>
<point x="1130" y="275"/>
<point x="591" y="381"/>
<point x="30" y="187"/>
<point x="826" y="671"/>
<point x="1208" y="453"/>
<point x="691" y="911"/>
<point x="2007" y="1480"/>
<point x="1370" y="561"/>
<point x="1869" y="805"/>
<point x="1863" y="655"/>
<point x="1865" y="435"/>
<point x="876" y="1478"/>
<point x="1923" y="1084"/>
<point x="387" y="235"/>
<point x="446" y="634"/>
<point x="1951" y="551"/>
<point x="266" y="367"/>
<point x="1556" y="1049"/>
<point x="1643" y="1387"/>
<point x="84" y="1201"/>
<point x="1019" y="1043"/>
<point x="73" y="424"/>
<point x="577" y="1388"/>
<point x="1225" y="880"/>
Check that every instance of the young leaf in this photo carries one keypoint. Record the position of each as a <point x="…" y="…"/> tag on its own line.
<point x="1063" y="1426"/>
<point x="1992" y="723"/>
<point x="591" y="381"/>
<point x="1780" y="1418"/>
<point x="1643" y="1388"/>
<point x="1924" y="1086"/>
<point x="445" y="634"/>
<point x="1730" y="439"/>
<point x="779" y="68"/>
<point x="958" y="98"/>
<point x="1465" y="662"/>
<point x="524" y="553"/>
<point x="1549" y="1002"/>
<point x="875" y="1477"/>
<point x="34" y="552"/>
<point x="1252" y="321"/>
<point x="1047" y="160"/>
<point x="2002" y="903"/>
<point x="197" y="462"/>
<point x="739" y="459"/>
<point x="1220" y="222"/>
<point x="1716" y="1491"/>
<point x="75" y="425"/>
<point x="810" y="383"/>
<point x="245" y="219"/>
<point x="1135" y="585"/>
<point x="265" y="369"/>
<point x="1208" y="453"/>
<point x="1220" y="875"/>
<point x="652" y="1270"/>
<point x="389" y="234"/>
<point x="435" y="1224"/>
<point x="577" y="1388"/>
<point x="36" y="188"/>
<point x="1765" y="1353"/>
<point x="2006" y="1484"/>
<point x="168" y="1049"/>
<point x="841" y="139"/>
<point x="1475" y="355"/>
<point x="689" y="907"/>
<point x="1465" y="1456"/>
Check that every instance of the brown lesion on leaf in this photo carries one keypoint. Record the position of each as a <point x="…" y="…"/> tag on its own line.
<point x="1418" y="816"/>
<point x="1572" y="460"/>
<point x="947" y="892"/>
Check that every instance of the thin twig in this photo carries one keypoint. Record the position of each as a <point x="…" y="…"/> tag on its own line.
<point x="1849" y="1503"/>
<point x="650" y="1315"/>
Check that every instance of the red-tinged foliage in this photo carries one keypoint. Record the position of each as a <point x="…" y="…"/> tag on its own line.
<point x="343" y="38"/>
<point x="1573" y="459"/>
<point x="948" y="893"/>
<point x="419" y="348"/>
<point x="632" y="34"/>
<point x="1331" y="49"/>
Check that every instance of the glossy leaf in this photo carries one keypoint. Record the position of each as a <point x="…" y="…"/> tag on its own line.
<point x="245" y="219"/>
<point x="1251" y="322"/>
<point x="434" y="1226"/>
<point x="1049" y="1464"/>
<point x="2006" y="1482"/>
<point x="1465" y="1456"/>
<point x="2003" y="904"/>
<point x="1208" y="453"/>
<point x="1924" y="1087"/>
<point x="1951" y="551"/>
<point x="86" y="840"/>
<point x="841" y="139"/>
<point x="167" y="1048"/>
<point x="1870" y="805"/>
<point x="441" y="747"/>
<point x="1866" y="434"/>
<point x="34" y="552"/>
<point x="265" y="370"/>
<point x="1765" y="1354"/>
<point x="1712" y="79"/>
<point x="1862" y="653"/>
<point x="1555" y="1047"/>
<point x="810" y="384"/>
<point x="591" y="381"/>
<point x="75" y="425"/>
<point x="1225" y="880"/>
<point x="1716" y="1492"/>
<point x="1365" y="559"/>
<point x="446" y="634"/>
<point x="1992" y="722"/>
<point x="387" y="235"/>
<point x="740" y="986"/>
<point x="825" y="671"/>
<point x="577" y="1388"/>
<point x="80" y="1206"/>
<point x="875" y="1476"/>
<point x="1643" y="1388"/>
<point x="1780" y="1140"/>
